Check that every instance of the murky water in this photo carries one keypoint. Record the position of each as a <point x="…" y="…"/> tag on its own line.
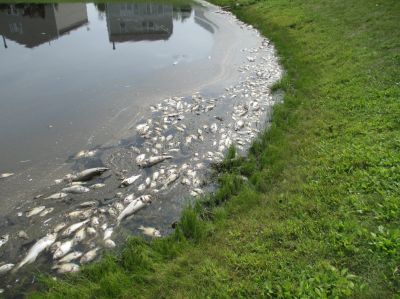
<point x="68" y="69"/>
<point x="76" y="80"/>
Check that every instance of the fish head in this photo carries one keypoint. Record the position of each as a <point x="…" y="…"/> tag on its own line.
<point x="54" y="247"/>
<point x="57" y="254"/>
<point x="146" y="198"/>
<point x="51" y="236"/>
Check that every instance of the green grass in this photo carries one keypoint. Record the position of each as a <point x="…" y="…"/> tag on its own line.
<point x="319" y="213"/>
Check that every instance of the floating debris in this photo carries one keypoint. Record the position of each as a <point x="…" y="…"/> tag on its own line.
<point x="6" y="175"/>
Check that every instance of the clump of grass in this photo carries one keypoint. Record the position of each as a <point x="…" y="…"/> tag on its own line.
<point x="190" y="227"/>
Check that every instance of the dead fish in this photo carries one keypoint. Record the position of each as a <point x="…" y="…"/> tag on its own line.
<point x="109" y="244"/>
<point x="141" y="187"/>
<point x="112" y="212"/>
<point x="213" y="128"/>
<point x="76" y="189"/>
<point x="81" y="214"/>
<point x="89" y="256"/>
<point x="239" y="124"/>
<point x="199" y="191"/>
<point x="70" y="257"/>
<point x="23" y="235"/>
<point x="135" y="150"/>
<point x="186" y="181"/>
<point x="66" y="268"/>
<point x="251" y="59"/>
<point x="4" y="239"/>
<point x="97" y="186"/>
<point x="85" y="154"/>
<point x="130" y="180"/>
<point x="6" y="175"/>
<point x="119" y="206"/>
<point x="63" y="249"/>
<point x="77" y="183"/>
<point x="74" y="227"/>
<point x="134" y="206"/>
<point x="91" y="203"/>
<point x="153" y="161"/>
<point x="35" y="211"/>
<point x="46" y="211"/>
<point x="150" y="231"/>
<point x="57" y="195"/>
<point x="53" y="248"/>
<point x="140" y="158"/>
<point x="172" y="178"/>
<point x="36" y="249"/>
<point x="94" y="221"/>
<point x="107" y="233"/>
<point x="142" y="128"/>
<point x="91" y="231"/>
<point x="59" y="227"/>
<point x="80" y="235"/>
<point x="129" y="198"/>
<point x="88" y="174"/>
<point x="5" y="268"/>
<point x="147" y="181"/>
<point x="199" y="165"/>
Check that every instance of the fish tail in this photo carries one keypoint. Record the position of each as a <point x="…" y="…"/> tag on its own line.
<point x="141" y="227"/>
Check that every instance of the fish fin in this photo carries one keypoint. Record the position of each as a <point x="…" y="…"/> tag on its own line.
<point x="141" y="227"/>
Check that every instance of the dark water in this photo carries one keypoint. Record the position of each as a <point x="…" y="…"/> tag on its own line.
<point x="67" y="69"/>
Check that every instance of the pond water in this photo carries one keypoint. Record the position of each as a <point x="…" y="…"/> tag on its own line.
<point x="67" y="69"/>
<point x="86" y="85"/>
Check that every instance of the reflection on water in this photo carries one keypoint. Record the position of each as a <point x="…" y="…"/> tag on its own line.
<point x="133" y="22"/>
<point x="34" y="24"/>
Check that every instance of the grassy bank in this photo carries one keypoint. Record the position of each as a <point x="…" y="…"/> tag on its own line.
<point x="319" y="214"/>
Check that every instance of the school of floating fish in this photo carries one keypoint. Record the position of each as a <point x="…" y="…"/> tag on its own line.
<point x="163" y="137"/>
